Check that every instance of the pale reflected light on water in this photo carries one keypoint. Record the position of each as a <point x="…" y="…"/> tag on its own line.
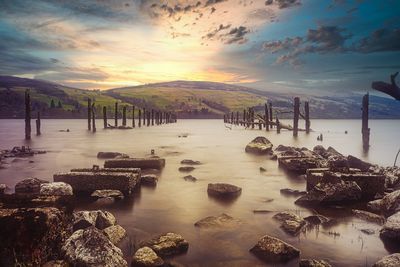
<point x="175" y="204"/>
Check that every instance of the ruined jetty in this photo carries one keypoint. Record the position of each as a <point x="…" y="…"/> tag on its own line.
<point x="88" y="182"/>
<point x="142" y="163"/>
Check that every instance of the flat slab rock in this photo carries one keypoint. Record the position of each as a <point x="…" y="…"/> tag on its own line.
<point x="116" y="194"/>
<point x="221" y="221"/>
<point x="392" y="260"/>
<point x="313" y="263"/>
<point x="146" y="257"/>
<point x="271" y="249"/>
<point x="134" y="170"/>
<point x="186" y="169"/>
<point x="190" y="162"/>
<point x="391" y="229"/>
<point x="260" y="145"/>
<point x="168" y="244"/>
<point x="90" y="247"/>
<point x="223" y="190"/>
<point x="369" y="216"/>
<point x="142" y="163"/>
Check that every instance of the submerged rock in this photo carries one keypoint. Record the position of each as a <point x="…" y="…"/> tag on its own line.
<point x="389" y="204"/>
<point x="90" y="247"/>
<point x="111" y="155"/>
<point x="29" y="186"/>
<point x="271" y="249"/>
<point x="313" y="263"/>
<point x="56" y="189"/>
<point x="167" y="245"/>
<point x="142" y="163"/>
<point x="260" y="145"/>
<point x="32" y="236"/>
<point x="190" y="162"/>
<point x="392" y="260"/>
<point x="292" y="192"/>
<point x="223" y="190"/>
<point x="146" y="257"/>
<point x="115" y="194"/>
<point x="222" y="221"/>
<point x="391" y="229"/>
<point x="262" y="169"/>
<point x="190" y="178"/>
<point x="368" y="216"/>
<point x="291" y="223"/>
<point x="149" y="179"/>
<point x="115" y="233"/>
<point x="186" y="169"/>
<point x="328" y="193"/>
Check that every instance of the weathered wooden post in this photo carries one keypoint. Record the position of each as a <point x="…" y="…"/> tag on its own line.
<point x="124" y="116"/>
<point x="38" y="124"/>
<point x="278" y="125"/>
<point x="231" y="118"/>
<point x="296" y="112"/>
<point x="27" y="115"/>
<point x="140" y="118"/>
<point x="116" y="115"/>
<point x="152" y="117"/>
<point x="133" y="116"/>
<point x="105" y="117"/>
<point x="93" y="118"/>
<point x="237" y="118"/>
<point x="144" y="117"/>
<point x="364" y="129"/>
<point x="244" y="117"/>
<point x="252" y="118"/>
<point x="148" y="118"/>
<point x="266" y="117"/>
<point x="259" y="124"/>
<point x="89" y="113"/>
<point x="270" y="113"/>
<point x="307" y="116"/>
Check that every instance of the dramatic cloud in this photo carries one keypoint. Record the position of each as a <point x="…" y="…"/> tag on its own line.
<point x="380" y="40"/>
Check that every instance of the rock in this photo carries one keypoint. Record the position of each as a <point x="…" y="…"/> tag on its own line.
<point x="3" y="188"/>
<point x="326" y="153"/>
<point x="313" y="263"/>
<point x="291" y="223"/>
<point x="88" y="182"/>
<point x="190" y="162"/>
<point x="97" y="218"/>
<point x="329" y="193"/>
<point x="316" y="219"/>
<point x="222" y="221"/>
<point x="271" y="249"/>
<point x="111" y="155"/>
<point x="167" y="245"/>
<point x="32" y="236"/>
<point x="392" y="260"/>
<point x="260" y="145"/>
<point x="56" y="263"/>
<point x="190" y="178"/>
<point x="146" y="257"/>
<point x="90" y="247"/>
<point x="29" y="186"/>
<point x="149" y="179"/>
<point x="358" y="163"/>
<point x="56" y="189"/>
<point x="142" y="163"/>
<point x="368" y="231"/>
<point x="262" y="211"/>
<point x="107" y="170"/>
<point x="263" y="169"/>
<point x="186" y="169"/>
<point x="368" y="216"/>
<point x="298" y="165"/>
<point x="389" y="204"/>
<point x="116" y="194"/>
<point x="338" y="164"/>
<point x="223" y="190"/>
<point x="292" y="192"/>
<point x="391" y="229"/>
<point x="114" y="233"/>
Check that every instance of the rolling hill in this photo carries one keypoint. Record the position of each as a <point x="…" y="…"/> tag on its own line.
<point x="187" y="98"/>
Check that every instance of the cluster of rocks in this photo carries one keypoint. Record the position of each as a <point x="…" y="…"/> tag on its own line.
<point x="17" y="152"/>
<point x="189" y="168"/>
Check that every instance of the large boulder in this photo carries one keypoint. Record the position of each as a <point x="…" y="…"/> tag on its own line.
<point x="391" y="229"/>
<point x="56" y="189"/>
<point x="111" y="155"/>
<point x="388" y="205"/>
<point x="260" y="145"/>
<point x="98" y="218"/>
<point x="29" y="186"/>
<point x="115" y="233"/>
<point x="32" y="236"/>
<point x="271" y="249"/>
<point x="146" y="257"/>
<point x="168" y="244"/>
<point x="332" y="193"/>
<point x="291" y="223"/>
<point x="90" y="247"/>
<point x="221" y="221"/>
<point x="313" y="263"/>
<point x="392" y="260"/>
<point x="223" y="190"/>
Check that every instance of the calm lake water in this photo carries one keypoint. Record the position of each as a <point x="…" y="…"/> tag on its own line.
<point x="175" y="204"/>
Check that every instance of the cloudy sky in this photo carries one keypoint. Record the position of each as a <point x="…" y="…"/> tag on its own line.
<point x="323" y="46"/>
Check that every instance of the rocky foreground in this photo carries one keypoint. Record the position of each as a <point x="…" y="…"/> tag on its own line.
<point x="40" y="226"/>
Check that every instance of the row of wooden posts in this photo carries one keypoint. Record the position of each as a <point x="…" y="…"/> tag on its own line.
<point x="152" y="117"/>
<point x="249" y="118"/>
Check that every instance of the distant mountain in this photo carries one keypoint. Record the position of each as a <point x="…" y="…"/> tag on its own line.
<point x="189" y="99"/>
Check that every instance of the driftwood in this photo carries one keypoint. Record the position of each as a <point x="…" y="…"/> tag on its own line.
<point x="390" y="89"/>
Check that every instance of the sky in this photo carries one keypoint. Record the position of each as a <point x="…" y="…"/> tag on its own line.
<point x="318" y="46"/>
